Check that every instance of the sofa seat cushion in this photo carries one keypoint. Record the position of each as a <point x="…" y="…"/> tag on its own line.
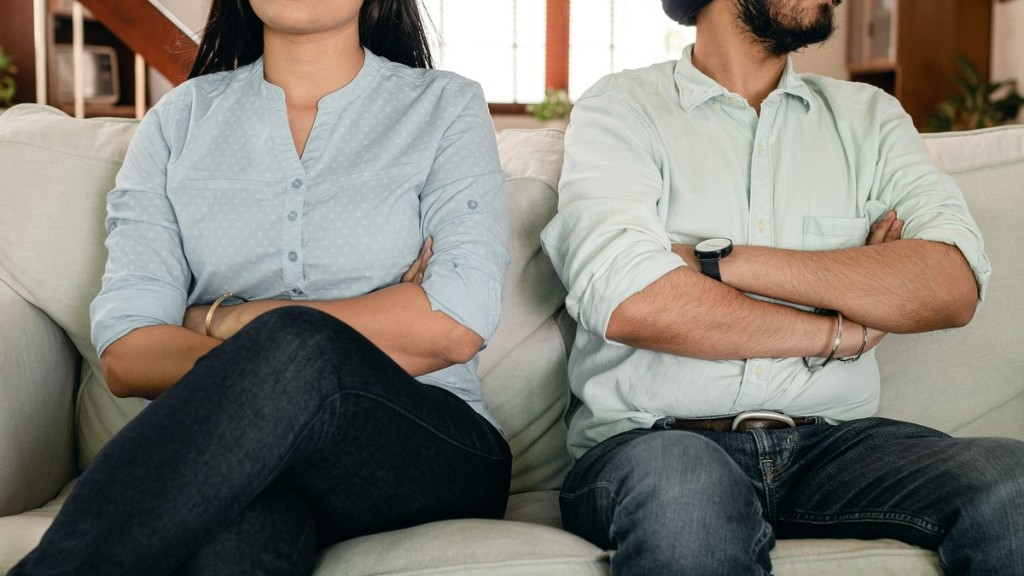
<point x="852" y="558"/>
<point x="21" y="533"/>
<point x="466" y="547"/>
<point x="527" y="543"/>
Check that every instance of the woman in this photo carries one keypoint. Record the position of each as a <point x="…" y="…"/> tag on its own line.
<point x="313" y="369"/>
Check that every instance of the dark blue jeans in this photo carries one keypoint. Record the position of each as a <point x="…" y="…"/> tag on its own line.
<point x="294" y="434"/>
<point x="710" y="503"/>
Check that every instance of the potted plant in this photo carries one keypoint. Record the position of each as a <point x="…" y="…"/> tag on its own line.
<point x="7" y="84"/>
<point x="554" y="108"/>
<point x="979" y="104"/>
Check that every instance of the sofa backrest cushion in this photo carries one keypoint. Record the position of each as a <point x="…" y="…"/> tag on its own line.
<point x="55" y="173"/>
<point x="524" y="368"/>
<point x="970" y="381"/>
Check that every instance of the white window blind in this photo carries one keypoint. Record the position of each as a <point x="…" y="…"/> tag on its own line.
<point x="607" y="36"/>
<point x="498" y="43"/>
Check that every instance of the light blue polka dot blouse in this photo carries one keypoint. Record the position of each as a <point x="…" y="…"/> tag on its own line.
<point x="213" y="198"/>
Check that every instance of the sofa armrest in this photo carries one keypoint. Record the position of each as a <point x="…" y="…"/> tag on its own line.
<point x="38" y="365"/>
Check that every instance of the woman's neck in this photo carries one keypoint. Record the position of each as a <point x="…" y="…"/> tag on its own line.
<point x="310" y="66"/>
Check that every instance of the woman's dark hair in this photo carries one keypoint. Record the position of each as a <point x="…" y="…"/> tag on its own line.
<point x="233" y="36"/>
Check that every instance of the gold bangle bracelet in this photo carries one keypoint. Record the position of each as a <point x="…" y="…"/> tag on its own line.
<point x="213" y="308"/>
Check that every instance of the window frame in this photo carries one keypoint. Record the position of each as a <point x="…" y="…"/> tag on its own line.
<point x="556" y="55"/>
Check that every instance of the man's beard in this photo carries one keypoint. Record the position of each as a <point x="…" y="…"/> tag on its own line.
<point x="781" y="33"/>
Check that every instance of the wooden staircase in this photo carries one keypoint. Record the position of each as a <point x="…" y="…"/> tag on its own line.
<point x="147" y="31"/>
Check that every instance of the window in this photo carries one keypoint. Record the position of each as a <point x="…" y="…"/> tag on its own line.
<point x="516" y="48"/>
<point x="607" y="36"/>
<point x="498" y="43"/>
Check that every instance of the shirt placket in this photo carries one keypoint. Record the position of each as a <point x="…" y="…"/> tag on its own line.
<point x="291" y="236"/>
<point x="760" y="226"/>
<point x="292" y="213"/>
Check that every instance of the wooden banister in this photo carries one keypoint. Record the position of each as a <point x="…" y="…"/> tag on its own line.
<point x="147" y="31"/>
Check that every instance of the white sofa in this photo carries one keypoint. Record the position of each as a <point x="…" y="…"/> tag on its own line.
<point x="55" y="412"/>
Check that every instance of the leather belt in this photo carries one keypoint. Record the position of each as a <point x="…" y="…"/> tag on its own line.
<point x="742" y="422"/>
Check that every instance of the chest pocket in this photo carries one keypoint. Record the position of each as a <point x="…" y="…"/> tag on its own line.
<point x="829" y="233"/>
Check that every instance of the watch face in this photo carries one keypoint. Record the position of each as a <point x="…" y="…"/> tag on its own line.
<point x="713" y="245"/>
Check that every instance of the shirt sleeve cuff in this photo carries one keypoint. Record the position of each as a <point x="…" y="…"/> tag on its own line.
<point x="468" y="296"/>
<point x="972" y="250"/>
<point x="627" y="273"/>
<point x="117" y="313"/>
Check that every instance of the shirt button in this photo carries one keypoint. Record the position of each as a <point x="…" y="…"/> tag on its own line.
<point x="292" y="256"/>
<point x="760" y="226"/>
<point x="297" y="183"/>
<point x="734" y="101"/>
<point x="472" y="204"/>
<point x="760" y="149"/>
<point x="757" y="370"/>
<point x="293" y="215"/>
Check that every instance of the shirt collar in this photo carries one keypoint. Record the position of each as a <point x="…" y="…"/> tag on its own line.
<point x="696" y="88"/>
<point x="371" y="63"/>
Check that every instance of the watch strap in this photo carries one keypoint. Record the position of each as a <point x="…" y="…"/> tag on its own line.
<point x="709" y="268"/>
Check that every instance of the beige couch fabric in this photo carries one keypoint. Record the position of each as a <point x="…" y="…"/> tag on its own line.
<point x="970" y="381"/>
<point x="36" y="420"/>
<point x="56" y="175"/>
<point x="56" y="172"/>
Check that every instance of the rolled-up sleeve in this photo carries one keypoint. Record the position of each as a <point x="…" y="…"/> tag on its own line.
<point x="929" y="201"/>
<point x="464" y="208"/>
<point x="607" y="241"/>
<point x="147" y="277"/>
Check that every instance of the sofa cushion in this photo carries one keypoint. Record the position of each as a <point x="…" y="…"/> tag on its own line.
<point x="466" y="547"/>
<point x="21" y="533"/>
<point x="37" y="382"/>
<point x="56" y="175"/>
<point x="524" y="367"/>
<point x="921" y="379"/>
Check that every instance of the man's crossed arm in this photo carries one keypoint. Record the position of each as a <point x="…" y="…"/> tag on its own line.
<point x="889" y="285"/>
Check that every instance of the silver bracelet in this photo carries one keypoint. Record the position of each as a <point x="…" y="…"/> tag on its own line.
<point x="863" y="345"/>
<point x="835" y="346"/>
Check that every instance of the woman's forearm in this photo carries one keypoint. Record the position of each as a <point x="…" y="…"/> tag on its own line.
<point x="397" y="319"/>
<point x="148" y="360"/>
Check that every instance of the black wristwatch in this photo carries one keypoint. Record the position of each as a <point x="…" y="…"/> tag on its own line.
<point x="709" y="253"/>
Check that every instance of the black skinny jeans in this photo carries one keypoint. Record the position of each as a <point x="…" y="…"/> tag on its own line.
<point x="294" y="434"/>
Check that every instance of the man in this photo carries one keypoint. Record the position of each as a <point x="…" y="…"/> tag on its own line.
<point x="736" y="239"/>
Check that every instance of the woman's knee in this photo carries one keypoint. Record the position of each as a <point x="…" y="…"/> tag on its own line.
<point x="289" y="324"/>
<point x="293" y="349"/>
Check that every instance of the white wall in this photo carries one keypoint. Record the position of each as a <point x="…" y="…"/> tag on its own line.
<point x="1008" y="43"/>
<point x="828" y="59"/>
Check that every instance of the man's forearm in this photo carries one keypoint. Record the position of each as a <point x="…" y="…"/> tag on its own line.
<point x="902" y="286"/>
<point x="687" y="314"/>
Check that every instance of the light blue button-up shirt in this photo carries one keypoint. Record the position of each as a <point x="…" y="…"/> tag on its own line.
<point x="213" y="198"/>
<point x="666" y="155"/>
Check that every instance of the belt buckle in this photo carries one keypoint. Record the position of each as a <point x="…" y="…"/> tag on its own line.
<point x="761" y="415"/>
